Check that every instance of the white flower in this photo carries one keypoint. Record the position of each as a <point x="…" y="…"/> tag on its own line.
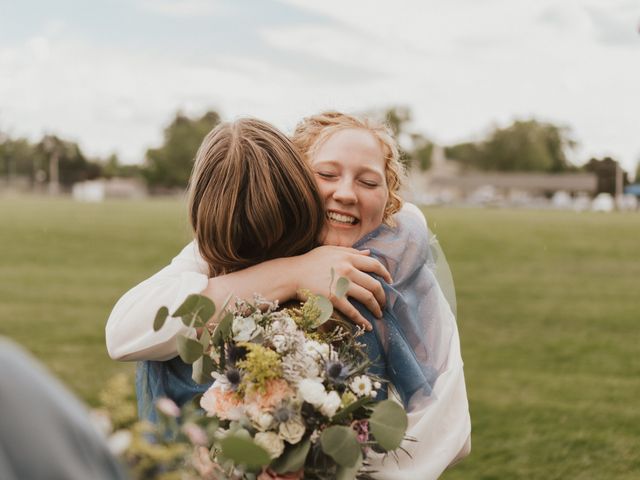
<point x="279" y="341"/>
<point x="292" y="430"/>
<point x="271" y="442"/>
<point x="316" y="350"/>
<point x="243" y="329"/>
<point x="289" y="325"/>
<point x="221" y="381"/>
<point x="168" y="407"/>
<point x="263" y="421"/>
<point x="312" y="391"/>
<point x="101" y="421"/>
<point x="331" y="404"/>
<point x="119" y="442"/>
<point x="377" y="385"/>
<point x="361" y="385"/>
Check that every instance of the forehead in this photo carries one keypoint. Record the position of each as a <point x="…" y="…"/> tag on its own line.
<point x="350" y="145"/>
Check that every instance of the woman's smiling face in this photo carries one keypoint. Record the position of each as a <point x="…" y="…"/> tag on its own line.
<point x="349" y="167"/>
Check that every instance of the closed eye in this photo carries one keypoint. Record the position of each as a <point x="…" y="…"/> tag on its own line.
<point x="370" y="183"/>
<point x="326" y="175"/>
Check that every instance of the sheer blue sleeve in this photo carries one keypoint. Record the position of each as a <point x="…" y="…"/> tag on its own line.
<point x="411" y="341"/>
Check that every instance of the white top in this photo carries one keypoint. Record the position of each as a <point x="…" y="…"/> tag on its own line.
<point x="129" y="330"/>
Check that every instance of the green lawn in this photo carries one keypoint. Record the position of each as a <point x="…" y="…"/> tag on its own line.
<point x="549" y="317"/>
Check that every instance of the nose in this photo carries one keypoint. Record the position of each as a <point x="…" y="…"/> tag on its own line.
<point x="345" y="192"/>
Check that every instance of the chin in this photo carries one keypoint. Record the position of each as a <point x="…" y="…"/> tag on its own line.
<point x="339" y="239"/>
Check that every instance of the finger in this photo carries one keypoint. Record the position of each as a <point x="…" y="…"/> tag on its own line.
<point x="351" y="313"/>
<point x="372" y="265"/>
<point x="372" y="285"/>
<point x="366" y="298"/>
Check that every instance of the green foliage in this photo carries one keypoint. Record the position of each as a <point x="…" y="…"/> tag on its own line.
<point x="342" y="285"/>
<point x="202" y="369"/>
<point x="111" y="167"/>
<point x="523" y="146"/>
<point x="170" y="165"/>
<point x="189" y="349"/>
<point x="606" y="170"/>
<point x="260" y="364"/>
<point x="19" y="157"/>
<point x="161" y="317"/>
<point x="341" y="444"/>
<point x="117" y="397"/>
<point x="293" y="457"/>
<point x="244" y="451"/>
<point x="196" y="310"/>
<point x="388" y="424"/>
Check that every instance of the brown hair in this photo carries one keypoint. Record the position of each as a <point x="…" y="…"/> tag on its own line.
<point x="251" y="197"/>
<point x="312" y="131"/>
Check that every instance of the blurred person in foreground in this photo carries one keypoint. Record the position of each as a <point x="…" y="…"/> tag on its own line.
<point x="45" y="431"/>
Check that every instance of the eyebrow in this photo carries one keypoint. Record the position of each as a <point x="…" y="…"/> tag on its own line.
<point x="335" y="163"/>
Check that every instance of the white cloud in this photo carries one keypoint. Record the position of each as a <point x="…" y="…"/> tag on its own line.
<point x="181" y="8"/>
<point x="461" y="66"/>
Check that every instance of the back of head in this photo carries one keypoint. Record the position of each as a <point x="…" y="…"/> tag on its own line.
<point x="311" y="132"/>
<point x="251" y="197"/>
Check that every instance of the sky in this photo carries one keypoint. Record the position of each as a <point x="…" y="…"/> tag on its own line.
<point x="111" y="74"/>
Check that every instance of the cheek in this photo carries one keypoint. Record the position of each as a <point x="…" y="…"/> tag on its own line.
<point x="377" y="203"/>
<point x="324" y="188"/>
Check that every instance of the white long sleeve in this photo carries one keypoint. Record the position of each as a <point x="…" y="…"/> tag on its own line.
<point x="129" y="329"/>
<point x="440" y="423"/>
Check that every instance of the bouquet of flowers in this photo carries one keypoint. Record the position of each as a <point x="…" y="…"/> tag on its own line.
<point x="290" y="395"/>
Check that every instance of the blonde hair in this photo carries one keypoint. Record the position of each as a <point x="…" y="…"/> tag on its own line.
<point x="311" y="132"/>
<point x="252" y="197"/>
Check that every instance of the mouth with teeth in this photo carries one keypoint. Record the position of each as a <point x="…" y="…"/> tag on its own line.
<point x="341" y="219"/>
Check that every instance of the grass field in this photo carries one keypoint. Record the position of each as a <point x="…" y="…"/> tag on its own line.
<point x="548" y="303"/>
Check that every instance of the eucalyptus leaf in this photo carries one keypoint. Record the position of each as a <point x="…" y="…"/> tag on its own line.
<point x="202" y="369"/>
<point x="388" y="424"/>
<point x="342" y="285"/>
<point x="293" y="457"/>
<point x="326" y="309"/>
<point x="349" y="473"/>
<point x="223" y="330"/>
<point x="161" y="317"/>
<point x="244" y="451"/>
<point x="341" y="444"/>
<point x="189" y="349"/>
<point x="352" y="407"/>
<point x="332" y="278"/>
<point x="196" y="309"/>
<point x="205" y="338"/>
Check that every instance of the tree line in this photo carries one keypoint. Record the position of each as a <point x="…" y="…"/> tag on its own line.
<point x="523" y="146"/>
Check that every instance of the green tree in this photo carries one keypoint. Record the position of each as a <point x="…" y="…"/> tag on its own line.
<point x="170" y="165"/>
<point x="418" y="150"/>
<point x="421" y="151"/>
<point x="523" y="146"/>
<point x="73" y="165"/>
<point x="16" y="158"/>
<point x="606" y="170"/>
<point x="112" y="167"/>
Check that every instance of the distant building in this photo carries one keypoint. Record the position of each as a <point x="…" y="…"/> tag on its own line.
<point x="101" y="189"/>
<point x="446" y="181"/>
